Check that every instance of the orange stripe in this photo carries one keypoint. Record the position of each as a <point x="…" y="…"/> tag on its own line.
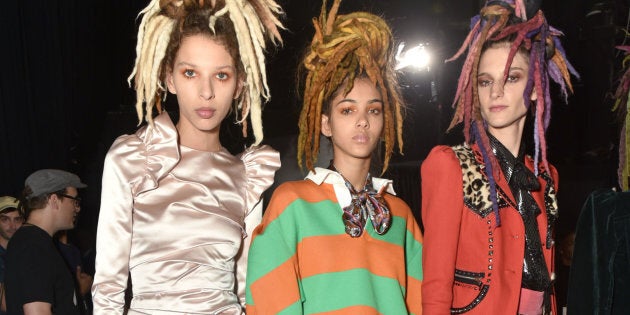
<point x="288" y="192"/>
<point x="400" y="209"/>
<point x="276" y="290"/>
<point x="414" y="296"/>
<point x="321" y="255"/>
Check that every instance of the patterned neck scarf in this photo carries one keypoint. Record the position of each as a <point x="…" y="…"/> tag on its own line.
<point x="367" y="202"/>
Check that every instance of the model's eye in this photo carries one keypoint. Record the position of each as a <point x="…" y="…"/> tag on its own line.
<point x="513" y="78"/>
<point x="223" y="76"/>
<point x="189" y="73"/>
<point x="375" y="111"/>
<point x="346" y="111"/>
<point x="484" y="82"/>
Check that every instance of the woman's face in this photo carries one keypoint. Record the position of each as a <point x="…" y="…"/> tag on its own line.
<point x="502" y="104"/>
<point x="355" y="123"/>
<point x="205" y="80"/>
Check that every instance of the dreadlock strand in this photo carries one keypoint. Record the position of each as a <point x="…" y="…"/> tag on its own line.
<point x="267" y="11"/>
<point x="303" y="126"/>
<point x="160" y="53"/>
<point x="147" y="78"/>
<point x="317" y="126"/>
<point x="563" y="68"/>
<point x="541" y="154"/>
<point x="547" y="95"/>
<point x="255" y="107"/>
<point x="467" y="111"/>
<point x="332" y="16"/>
<point x="468" y="67"/>
<point x="519" y="9"/>
<point x="152" y="9"/>
<point x="247" y="51"/>
<point x="467" y="42"/>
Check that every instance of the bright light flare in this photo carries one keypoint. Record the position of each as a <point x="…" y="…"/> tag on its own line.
<point x="417" y="57"/>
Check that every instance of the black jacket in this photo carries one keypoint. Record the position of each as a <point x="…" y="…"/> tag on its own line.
<point x="599" y="281"/>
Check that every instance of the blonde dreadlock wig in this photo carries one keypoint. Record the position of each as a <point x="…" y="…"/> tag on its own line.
<point x="164" y="22"/>
<point x="508" y="21"/>
<point x="622" y="106"/>
<point x="346" y="47"/>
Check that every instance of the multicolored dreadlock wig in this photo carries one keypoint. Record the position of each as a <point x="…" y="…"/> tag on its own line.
<point x="251" y="20"/>
<point x="622" y="106"/>
<point x="346" y="47"/>
<point x="507" y="20"/>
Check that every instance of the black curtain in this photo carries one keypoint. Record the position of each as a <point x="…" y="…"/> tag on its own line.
<point x="64" y="69"/>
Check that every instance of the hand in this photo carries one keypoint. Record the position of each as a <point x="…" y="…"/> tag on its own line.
<point x="84" y="280"/>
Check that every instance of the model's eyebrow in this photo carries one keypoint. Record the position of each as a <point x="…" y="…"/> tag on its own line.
<point x="511" y="69"/>
<point x="192" y="65"/>
<point x="353" y="101"/>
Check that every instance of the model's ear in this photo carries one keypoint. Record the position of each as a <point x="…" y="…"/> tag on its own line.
<point x="239" y="88"/>
<point x="534" y="96"/>
<point x="170" y="84"/>
<point x="326" y="130"/>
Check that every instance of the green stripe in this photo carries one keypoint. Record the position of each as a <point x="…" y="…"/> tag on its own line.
<point x="293" y="309"/>
<point x="338" y="290"/>
<point x="413" y="257"/>
<point x="278" y="242"/>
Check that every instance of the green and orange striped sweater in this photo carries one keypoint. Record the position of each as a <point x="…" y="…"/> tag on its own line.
<point x="301" y="261"/>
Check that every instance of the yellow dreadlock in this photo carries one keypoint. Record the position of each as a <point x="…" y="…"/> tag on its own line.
<point x="345" y="46"/>
<point x="252" y="19"/>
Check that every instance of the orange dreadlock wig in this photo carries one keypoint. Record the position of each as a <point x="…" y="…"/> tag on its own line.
<point x="346" y="47"/>
<point x="507" y="21"/>
<point x="622" y="105"/>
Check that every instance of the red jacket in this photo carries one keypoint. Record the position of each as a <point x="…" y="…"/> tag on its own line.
<point x="464" y="236"/>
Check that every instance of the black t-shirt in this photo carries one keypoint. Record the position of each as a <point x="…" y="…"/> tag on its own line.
<point x="36" y="272"/>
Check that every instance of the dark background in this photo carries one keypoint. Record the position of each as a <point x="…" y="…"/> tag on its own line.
<point x="64" y="96"/>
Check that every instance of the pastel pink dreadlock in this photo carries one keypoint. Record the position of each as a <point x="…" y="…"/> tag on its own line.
<point x="507" y="20"/>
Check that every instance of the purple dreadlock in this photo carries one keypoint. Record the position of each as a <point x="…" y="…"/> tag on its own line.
<point x="507" y="21"/>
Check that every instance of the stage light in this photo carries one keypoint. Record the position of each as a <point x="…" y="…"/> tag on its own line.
<point x="417" y="57"/>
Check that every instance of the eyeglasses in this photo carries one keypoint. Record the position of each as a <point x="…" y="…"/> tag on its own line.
<point x="77" y="200"/>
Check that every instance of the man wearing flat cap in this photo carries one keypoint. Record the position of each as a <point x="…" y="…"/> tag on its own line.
<point x="37" y="280"/>
<point x="10" y="221"/>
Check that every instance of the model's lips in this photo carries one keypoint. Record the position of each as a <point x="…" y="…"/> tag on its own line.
<point x="361" y="138"/>
<point x="205" y="112"/>
<point x="497" y="108"/>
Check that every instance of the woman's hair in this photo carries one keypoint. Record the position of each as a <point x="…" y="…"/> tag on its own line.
<point x="27" y="205"/>
<point x="501" y="22"/>
<point x="239" y="25"/>
<point x="346" y="47"/>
